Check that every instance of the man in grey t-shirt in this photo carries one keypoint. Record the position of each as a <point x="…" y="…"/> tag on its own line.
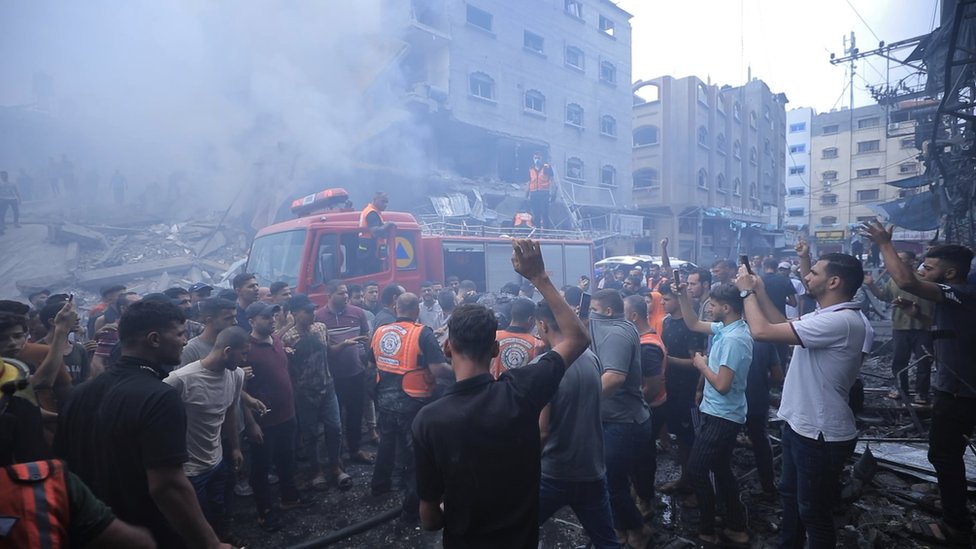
<point x="573" y="470"/>
<point x="216" y="314"/>
<point x="627" y="433"/>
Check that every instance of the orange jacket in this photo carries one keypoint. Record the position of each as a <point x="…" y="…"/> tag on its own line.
<point x="515" y="349"/>
<point x="523" y="218"/>
<point x="364" y="226"/>
<point x="538" y="180"/>
<point x="396" y="349"/>
<point x="652" y="338"/>
<point x="36" y="495"/>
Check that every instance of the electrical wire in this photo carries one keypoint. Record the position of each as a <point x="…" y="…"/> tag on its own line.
<point x="858" y="14"/>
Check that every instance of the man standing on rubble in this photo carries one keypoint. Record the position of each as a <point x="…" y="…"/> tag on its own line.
<point x="542" y="191"/>
<point x="944" y="281"/>
<point x="819" y="433"/>
<point x="9" y="198"/>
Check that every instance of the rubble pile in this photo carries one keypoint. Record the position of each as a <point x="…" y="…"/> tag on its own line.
<point x="145" y="255"/>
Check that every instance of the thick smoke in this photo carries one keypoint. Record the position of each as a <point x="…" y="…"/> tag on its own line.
<point x="240" y="97"/>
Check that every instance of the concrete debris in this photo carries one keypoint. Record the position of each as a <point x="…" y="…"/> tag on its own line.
<point x="69" y="232"/>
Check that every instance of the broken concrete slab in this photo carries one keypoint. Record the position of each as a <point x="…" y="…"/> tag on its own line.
<point x="913" y="459"/>
<point x="69" y="232"/>
<point x="207" y="246"/>
<point x="124" y="273"/>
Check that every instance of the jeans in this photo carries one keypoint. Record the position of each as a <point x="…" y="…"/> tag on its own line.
<point x="907" y="342"/>
<point x="712" y="453"/>
<point x="952" y="421"/>
<point x="622" y="443"/>
<point x="351" y="393"/>
<point x="12" y="204"/>
<point x="758" y="435"/>
<point x="589" y="500"/>
<point x="321" y="409"/>
<point x="279" y="447"/>
<point x="539" y="203"/>
<point x="810" y="488"/>
<point x="211" y="489"/>
<point x="396" y="439"/>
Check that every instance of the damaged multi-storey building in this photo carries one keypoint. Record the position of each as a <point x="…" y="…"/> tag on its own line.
<point x="483" y="85"/>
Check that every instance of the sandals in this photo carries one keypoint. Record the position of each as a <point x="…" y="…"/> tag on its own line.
<point x="936" y="531"/>
<point x="343" y="482"/>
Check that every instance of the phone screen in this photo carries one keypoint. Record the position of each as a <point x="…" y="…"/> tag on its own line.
<point x="744" y="259"/>
<point x="584" y="306"/>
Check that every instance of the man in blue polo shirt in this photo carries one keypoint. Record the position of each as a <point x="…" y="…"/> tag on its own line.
<point x="723" y="410"/>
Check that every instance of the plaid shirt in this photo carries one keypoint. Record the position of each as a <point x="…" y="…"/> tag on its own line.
<point x="308" y="364"/>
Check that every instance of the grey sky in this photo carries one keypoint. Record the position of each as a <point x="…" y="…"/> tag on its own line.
<point x="787" y="42"/>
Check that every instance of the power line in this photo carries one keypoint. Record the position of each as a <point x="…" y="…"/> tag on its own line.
<point x="858" y="14"/>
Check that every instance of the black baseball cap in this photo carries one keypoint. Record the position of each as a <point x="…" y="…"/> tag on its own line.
<point x="300" y="302"/>
<point x="260" y="308"/>
<point x="197" y="287"/>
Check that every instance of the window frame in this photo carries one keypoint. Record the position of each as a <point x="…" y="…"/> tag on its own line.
<point x="582" y="115"/>
<point x="613" y="123"/>
<point x="468" y="21"/>
<point x="485" y="78"/>
<point x="582" y="169"/>
<point x="534" y="94"/>
<point x="527" y="35"/>
<point x="582" y="57"/>
<point x="613" y="176"/>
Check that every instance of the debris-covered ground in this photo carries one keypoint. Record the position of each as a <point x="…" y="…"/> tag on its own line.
<point x="874" y="514"/>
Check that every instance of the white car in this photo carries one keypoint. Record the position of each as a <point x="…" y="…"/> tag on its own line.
<point x="611" y="263"/>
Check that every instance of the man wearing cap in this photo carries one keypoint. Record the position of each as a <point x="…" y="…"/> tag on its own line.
<point x="778" y="287"/>
<point x="307" y="345"/>
<point x="37" y="299"/>
<point x="542" y="190"/>
<point x="271" y="436"/>
<point x="787" y="269"/>
<point x="199" y="291"/>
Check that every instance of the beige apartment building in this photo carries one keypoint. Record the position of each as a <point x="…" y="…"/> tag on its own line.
<point x="854" y="155"/>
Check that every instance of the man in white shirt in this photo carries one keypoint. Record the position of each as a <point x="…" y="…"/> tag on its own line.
<point x="819" y="434"/>
<point x="211" y="389"/>
<point x="431" y="314"/>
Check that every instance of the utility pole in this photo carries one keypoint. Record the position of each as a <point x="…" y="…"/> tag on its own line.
<point x="850" y="50"/>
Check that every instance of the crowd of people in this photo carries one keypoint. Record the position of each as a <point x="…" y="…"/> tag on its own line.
<point x="489" y="411"/>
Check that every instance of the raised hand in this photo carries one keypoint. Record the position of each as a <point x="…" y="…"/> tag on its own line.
<point x="877" y="232"/>
<point x="802" y="248"/>
<point x="527" y="259"/>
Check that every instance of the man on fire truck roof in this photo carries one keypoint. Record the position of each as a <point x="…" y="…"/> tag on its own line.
<point x="372" y="234"/>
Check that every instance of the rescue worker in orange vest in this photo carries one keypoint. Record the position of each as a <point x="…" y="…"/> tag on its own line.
<point x="654" y="365"/>
<point x="516" y="344"/>
<point x="373" y="235"/>
<point x="41" y="503"/>
<point x="408" y="360"/>
<point x="44" y="505"/>
<point x="542" y="191"/>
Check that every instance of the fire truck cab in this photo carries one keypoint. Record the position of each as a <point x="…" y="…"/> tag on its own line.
<point x="323" y="244"/>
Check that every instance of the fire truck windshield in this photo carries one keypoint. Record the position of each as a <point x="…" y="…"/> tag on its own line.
<point x="277" y="257"/>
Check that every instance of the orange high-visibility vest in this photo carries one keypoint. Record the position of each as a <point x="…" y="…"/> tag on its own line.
<point x="515" y="349"/>
<point x="651" y="338"/>
<point x="364" y="226"/>
<point x="523" y="218"/>
<point x="36" y="495"/>
<point x="538" y="180"/>
<point x="396" y="348"/>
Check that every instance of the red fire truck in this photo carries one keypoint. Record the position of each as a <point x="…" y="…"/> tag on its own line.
<point x="322" y="244"/>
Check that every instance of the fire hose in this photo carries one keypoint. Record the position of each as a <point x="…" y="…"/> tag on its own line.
<point x="349" y="531"/>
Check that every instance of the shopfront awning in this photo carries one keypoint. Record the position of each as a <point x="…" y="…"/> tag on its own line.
<point x="919" y="212"/>
<point x="912" y="182"/>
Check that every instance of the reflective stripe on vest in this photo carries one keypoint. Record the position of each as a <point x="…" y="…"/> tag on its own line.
<point x="651" y="338"/>
<point x="36" y="494"/>
<point x="515" y="349"/>
<point x="538" y="180"/>
<point x="396" y="349"/>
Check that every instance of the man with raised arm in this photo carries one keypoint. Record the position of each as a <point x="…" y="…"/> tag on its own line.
<point x="944" y="281"/>
<point x="819" y="434"/>
<point x="477" y="448"/>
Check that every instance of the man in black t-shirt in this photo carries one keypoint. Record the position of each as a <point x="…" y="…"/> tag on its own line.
<point x="124" y="432"/>
<point x="943" y="280"/>
<point x="681" y="382"/>
<point x="477" y="448"/>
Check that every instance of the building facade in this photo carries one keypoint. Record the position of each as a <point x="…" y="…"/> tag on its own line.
<point x="854" y="155"/>
<point x="799" y="124"/>
<point x="709" y="166"/>
<point x="493" y="81"/>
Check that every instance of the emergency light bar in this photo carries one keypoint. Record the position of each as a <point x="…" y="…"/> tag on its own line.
<point x="329" y="199"/>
